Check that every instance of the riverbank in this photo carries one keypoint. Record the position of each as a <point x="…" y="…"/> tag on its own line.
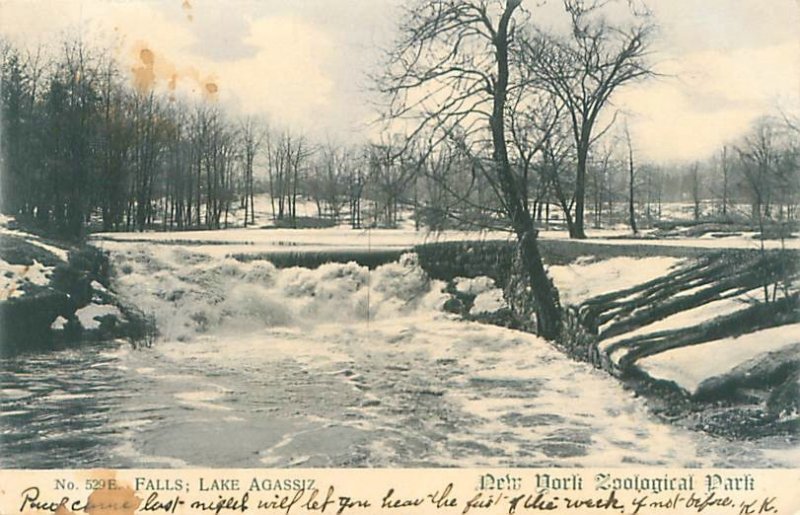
<point x="751" y="398"/>
<point x="55" y="295"/>
<point x="708" y="338"/>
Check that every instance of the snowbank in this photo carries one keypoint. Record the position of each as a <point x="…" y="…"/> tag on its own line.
<point x="473" y="285"/>
<point x="587" y="278"/>
<point x="690" y="367"/>
<point x="14" y="278"/>
<point x="488" y="302"/>
<point x="687" y="318"/>
<point x="90" y="316"/>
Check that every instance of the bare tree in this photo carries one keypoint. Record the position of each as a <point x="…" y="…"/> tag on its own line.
<point x="694" y="189"/>
<point x="584" y="71"/>
<point x="287" y="154"/>
<point x="725" y="167"/>
<point x="328" y="178"/>
<point x="355" y="180"/>
<point x="759" y="156"/>
<point x="631" y="176"/>
<point x="391" y="174"/>
<point x="450" y="75"/>
<point x="601" y="171"/>
<point x="252" y="138"/>
<point x="81" y="141"/>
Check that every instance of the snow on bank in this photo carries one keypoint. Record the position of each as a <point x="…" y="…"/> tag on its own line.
<point x="254" y="241"/>
<point x="586" y="278"/>
<point x="334" y="237"/>
<point x="59" y="323"/>
<point x="90" y="315"/>
<point x="474" y="285"/>
<point x="690" y="367"/>
<point x="13" y="278"/>
<point x="688" y="318"/>
<point x="60" y="253"/>
<point x="488" y="301"/>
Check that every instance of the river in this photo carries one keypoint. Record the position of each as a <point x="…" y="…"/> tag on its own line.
<point x="334" y="367"/>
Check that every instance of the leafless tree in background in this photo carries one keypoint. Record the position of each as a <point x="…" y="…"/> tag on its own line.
<point x="584" y="70"/>
<point x="631" y="184"/>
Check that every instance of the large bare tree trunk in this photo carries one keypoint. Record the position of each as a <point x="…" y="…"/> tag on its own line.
<point x="576" y="230"/>
<point x="548" y="313"/>
<point x="631" y="173"/>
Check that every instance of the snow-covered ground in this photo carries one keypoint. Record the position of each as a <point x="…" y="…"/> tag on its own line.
<point x="14" y="278"/>
<point x="687" y="318"/>
<point x="60" y="253"/>
<point x="264" y="237"/>
<point x="90" y="315"/>
<point x="691" y="366"/>
<point x="255" y="240"/>
<point x="587" y="278"/>
<point x="688" y="367"/>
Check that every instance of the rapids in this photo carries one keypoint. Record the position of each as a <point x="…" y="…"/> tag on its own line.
<point x="339" y="366"/>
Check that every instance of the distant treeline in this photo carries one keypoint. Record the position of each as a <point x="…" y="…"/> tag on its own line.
<point x="85" y="145"/>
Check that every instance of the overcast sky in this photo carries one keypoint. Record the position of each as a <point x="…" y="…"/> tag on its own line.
<point x="303" y="62"/>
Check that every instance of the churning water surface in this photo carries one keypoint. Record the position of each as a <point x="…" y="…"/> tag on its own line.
<point x="338" y="366"/>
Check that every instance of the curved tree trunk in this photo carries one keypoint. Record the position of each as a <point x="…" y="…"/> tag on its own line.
<point x="548" y="312"/>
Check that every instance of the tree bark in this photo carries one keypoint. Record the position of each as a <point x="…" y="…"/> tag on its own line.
<point x="548" y="313"/>
<point x="577" y="230"/>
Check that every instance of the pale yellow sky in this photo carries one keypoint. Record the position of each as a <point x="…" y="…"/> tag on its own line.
<point x="303" y="63"/>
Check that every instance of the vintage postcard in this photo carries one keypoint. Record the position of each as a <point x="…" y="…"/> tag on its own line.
<point x="383" y="256"/>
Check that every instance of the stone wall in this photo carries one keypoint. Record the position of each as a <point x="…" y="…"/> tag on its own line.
<point x="448" y="260"/>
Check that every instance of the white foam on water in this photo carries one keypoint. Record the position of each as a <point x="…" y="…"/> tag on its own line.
<point x="344" y="327"/>
<point x="202" y="400"/>
<point x="192" y="295"/>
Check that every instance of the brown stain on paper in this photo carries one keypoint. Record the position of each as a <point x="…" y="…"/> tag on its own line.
<point x="62" y="510"/>
<point x="144" y="77"/>
<point x="187" y="8"/>
<point x="152" y="68"/>
<point x="121" y="500"/>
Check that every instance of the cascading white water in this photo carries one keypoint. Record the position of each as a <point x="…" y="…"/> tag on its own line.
<point x="191" y="294"/>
